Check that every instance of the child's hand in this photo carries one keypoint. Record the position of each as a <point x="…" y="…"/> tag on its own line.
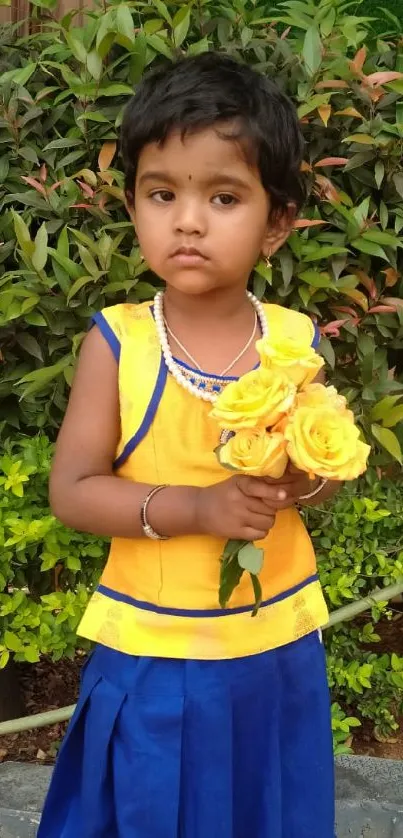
<point x="288" y="489"/>
<point x="238" y="508"/>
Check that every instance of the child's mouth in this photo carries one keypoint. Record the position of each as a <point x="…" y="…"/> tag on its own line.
<point x="188" y="257"/>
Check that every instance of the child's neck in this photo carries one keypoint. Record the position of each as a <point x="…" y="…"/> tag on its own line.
<point x="213" y="328"/>
<point x="215" y="306"/>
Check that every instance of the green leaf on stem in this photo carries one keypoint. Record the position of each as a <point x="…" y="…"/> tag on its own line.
<point x="257" y="590"/>
<point x="230" y="577"/>
<point x="251" y="558"/>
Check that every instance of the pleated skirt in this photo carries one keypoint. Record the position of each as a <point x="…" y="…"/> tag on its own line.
<point x="162" y="748"/>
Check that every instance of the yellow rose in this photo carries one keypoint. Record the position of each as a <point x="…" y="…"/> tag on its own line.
<point x="325" y="441"/>
<point x="255" y="452"/>
<point x="317" y="395"/>
<point x="258" y="399"/>
<point x="290" y="355"/>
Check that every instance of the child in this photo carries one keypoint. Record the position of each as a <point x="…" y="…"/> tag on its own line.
<point x="192" y="721"/>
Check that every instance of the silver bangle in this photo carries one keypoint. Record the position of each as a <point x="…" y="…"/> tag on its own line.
<point x="146" y="527"/>
<point x="322" y="483"/>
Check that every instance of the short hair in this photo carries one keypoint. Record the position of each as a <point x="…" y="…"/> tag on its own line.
<point x="197" y="92"/>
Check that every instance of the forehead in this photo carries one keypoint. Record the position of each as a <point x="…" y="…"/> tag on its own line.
<point x="200" y="154"/>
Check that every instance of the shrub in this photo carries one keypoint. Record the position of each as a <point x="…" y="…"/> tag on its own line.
<point x="46" y="571"/>
<point x="359" y="545"/>
<point x="68" y="249"/>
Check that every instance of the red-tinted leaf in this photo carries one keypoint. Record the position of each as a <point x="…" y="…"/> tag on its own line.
<point x="305" y="167"/>
<point x="102" y="202"/>
<point x="325" y="190"/>
<point x="332" y="161"/>
<point x="382" y="309"/>
<point x="43" y="173"/>
<point x="55" y="185"/>
<point x="374" y="93"/>
<point x="332" y="329"/>
<point x="368" y="282"/>
<point x="358" y="61"/>
<point x="106" y="155"/>
<point x="355" y="319"/>
<point x="31" y="181"/>
<point x="393" y="301"/>
<point x="392" y="276"/>
<point x="85" y="189"/>
<point x="349" y="112"/>
<point x="383" y="77"/>
<point x="330" y="84"/>
<point x="357" y="296"/>
<point x="325" y="112"/>
<point x="301" y="223"/>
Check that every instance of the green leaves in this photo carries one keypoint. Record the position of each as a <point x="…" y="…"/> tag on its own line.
<point x="230" y="571"/>
<point x="40" y="254"/>
<point x="124" y="23"/>
<point x="180" y="24"/>
<point x="312" y="50"/>
<point x="388" y="440"/>
<point x="237" y="557"/>
<point x="251" y="558"/>
<point x="36" y="554"/>
<point x="359" y="545"/>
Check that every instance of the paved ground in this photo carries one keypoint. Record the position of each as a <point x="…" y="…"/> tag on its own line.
<point x="369" y="798"/>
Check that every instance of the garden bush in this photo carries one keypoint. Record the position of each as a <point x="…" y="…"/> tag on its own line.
<point x="46" y="571"/>
<point x="68" y="249"/>
<point x="359" y="546"/>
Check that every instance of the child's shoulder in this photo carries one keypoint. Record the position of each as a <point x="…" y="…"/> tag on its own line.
<point x="122" y="318"/>
<point x="291" y="323"/>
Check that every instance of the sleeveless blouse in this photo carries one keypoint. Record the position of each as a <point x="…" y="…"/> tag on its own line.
<point x="160" y="598"/>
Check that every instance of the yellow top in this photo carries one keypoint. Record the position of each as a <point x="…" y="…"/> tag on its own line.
<point x="160" y="598"/>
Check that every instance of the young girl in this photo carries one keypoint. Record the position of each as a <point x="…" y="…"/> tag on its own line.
<point x="193" y="721"/>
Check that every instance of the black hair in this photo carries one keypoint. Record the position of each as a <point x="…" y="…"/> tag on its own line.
<point x="200" y="91"/>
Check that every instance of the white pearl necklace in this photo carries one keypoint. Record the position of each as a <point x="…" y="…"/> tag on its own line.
<point x="173" y="367"/>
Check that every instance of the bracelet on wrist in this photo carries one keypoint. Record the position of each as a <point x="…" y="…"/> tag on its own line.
<point x="148" y="530"/>
<point x="322" y="483"/>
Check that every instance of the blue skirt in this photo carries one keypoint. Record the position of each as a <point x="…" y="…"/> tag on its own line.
<point x="161" y="748"/>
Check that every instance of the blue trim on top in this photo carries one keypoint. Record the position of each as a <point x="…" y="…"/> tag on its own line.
<point x="148" y="416"/>
<point x="316" y="337"/>
<point x="100" y="320"/>
<point x="213" y="612"/>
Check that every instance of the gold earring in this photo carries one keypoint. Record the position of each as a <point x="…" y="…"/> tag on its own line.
<point x="268" y="261"/>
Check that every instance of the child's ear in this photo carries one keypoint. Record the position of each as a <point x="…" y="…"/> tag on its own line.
<point x="279" y="228"/>
<point x="129" y="204"/>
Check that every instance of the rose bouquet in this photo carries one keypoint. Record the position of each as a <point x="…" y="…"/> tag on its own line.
<point x="274" y="416"/>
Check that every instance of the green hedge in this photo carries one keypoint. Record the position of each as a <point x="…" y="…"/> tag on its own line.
<point x="47" y="573"/>
<point x="68" y="249"/>
<point x="68" y="246"/>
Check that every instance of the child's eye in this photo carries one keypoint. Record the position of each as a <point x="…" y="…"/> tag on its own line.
<point x="162" y="196"/>
<point x="225" y="200"/>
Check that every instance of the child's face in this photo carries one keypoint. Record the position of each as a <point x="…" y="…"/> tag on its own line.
<point x="201" y="194"/>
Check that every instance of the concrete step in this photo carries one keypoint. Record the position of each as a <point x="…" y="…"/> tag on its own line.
<point x="369" y="798"/>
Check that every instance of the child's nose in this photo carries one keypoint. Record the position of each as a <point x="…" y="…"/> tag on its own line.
<point x="190" y="218"/>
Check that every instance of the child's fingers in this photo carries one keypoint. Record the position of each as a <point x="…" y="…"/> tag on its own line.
<point x="270" y="492"/>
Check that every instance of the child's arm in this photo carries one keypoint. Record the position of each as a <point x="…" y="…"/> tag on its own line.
<point x="87" y="495"/>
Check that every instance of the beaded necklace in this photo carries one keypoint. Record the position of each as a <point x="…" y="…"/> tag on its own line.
<point x="202" y="390"/>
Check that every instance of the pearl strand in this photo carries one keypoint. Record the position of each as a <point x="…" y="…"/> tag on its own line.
<point x="173" y="368"/>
